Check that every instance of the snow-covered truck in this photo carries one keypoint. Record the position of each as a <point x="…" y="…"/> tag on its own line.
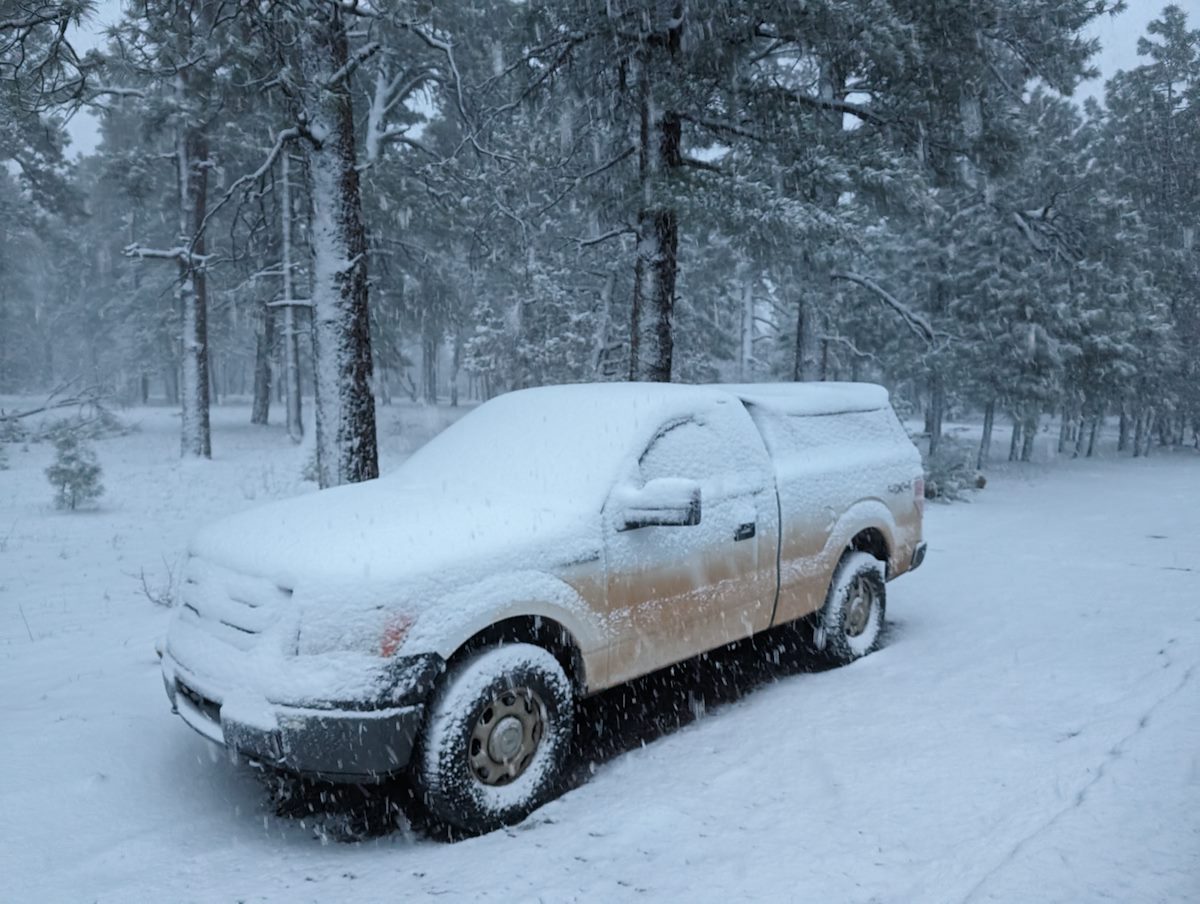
<point x="442" y="621"/>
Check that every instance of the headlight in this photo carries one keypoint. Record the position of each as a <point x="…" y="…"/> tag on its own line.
<point x="395" y="629"/>
<point x="375" y="631"/>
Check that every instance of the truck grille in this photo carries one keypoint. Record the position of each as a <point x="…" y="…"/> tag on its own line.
<point x="233" y="607"/>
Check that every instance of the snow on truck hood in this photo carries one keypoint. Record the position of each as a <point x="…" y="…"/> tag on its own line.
<point x="380" y="532"/>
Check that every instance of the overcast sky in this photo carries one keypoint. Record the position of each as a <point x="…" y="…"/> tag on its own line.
<point x="1118" y="38"/>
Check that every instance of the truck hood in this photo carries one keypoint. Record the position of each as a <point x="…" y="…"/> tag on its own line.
<point x="373" y="535"/>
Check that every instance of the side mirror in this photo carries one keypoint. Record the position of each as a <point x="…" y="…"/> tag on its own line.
<point x="665" y="502"/>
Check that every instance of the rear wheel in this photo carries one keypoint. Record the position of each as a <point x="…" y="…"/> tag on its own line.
<point x="496" y="739"/>
<point x="850" y="624"/>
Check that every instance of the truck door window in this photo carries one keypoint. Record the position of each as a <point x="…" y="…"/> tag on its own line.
<point x="682" y="449"/>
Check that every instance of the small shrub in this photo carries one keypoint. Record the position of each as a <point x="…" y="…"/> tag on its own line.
<point x="951" y="472"/>
<point x="308" y="470"/>
<point x="12" y="430"/>
<point x="75" y="474"/>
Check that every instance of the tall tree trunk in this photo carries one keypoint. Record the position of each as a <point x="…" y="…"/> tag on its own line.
<point x="170" y="370"/>
<point x="214" y="384"/>
<point x="985" y="442"/>
<point x="1139" y="430"/>
<point x="1064" y="430"/>
<point x="651" y="342"/>
<point x="291" y="338"/>
<point x="746" y="355"/>
<point x="937" y="411"/>
<point x="345" y="408"/>
<point x="802" y="366"/>
<point x="429" y="365"/>
<point x="1014" y="447"/>
<point x="264" y="349"/>
<point x="1123" y="434"/>
<point x="191" y="154"/>
<point x="600" y="344"/>
<point x="1148" y="433"/>
<point x="1096" y="420"/>
<point x="456" y="365"/>
<point x="1029" y="434"/>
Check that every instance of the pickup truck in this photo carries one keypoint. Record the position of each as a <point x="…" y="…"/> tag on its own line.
<point x="440" y="622"/>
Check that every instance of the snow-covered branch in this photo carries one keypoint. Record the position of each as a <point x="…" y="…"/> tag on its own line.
<point x="916" y="322"/>
<point x="585" y="176"/>
<point x="181" y="253"/>
<point x="695" y="163"/>
<point x="1041" y="229"/>
<point x="829" y="103"/>
<point x="113" y="91"/>
<point x="722" y="128"/>
<point x="360" y="8"/>
<point x="611" y="234"/>
<point x="363" y="54"/>
<point x="87" y="395"/>
<point x="239" y="184"/>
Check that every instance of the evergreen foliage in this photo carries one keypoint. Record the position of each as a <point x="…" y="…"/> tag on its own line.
<point x="893" y="190"/>
<point x="75" y="472"/>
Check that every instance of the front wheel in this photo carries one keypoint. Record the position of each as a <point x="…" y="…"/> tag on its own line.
<point x="850" y="624"/>
<point x="496" y="738"/>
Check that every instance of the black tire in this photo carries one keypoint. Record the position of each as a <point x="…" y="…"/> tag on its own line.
<point x="496" y="739"/>
<point x="850" y="624"/>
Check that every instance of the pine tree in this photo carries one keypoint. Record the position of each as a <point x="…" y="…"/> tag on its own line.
<point x="75" y="473"/>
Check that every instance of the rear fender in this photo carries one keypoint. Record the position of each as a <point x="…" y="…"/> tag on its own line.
<point x="863" y="515"/>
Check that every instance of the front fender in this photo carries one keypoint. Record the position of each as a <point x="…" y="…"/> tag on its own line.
<point x="458" y="615"/>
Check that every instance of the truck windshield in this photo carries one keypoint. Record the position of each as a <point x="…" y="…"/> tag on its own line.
<point x="561" y="444"/>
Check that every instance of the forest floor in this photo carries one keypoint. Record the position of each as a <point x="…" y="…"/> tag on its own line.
<point x="1031" y="732"/>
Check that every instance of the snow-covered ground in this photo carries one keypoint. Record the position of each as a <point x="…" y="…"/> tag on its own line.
<point x="1030" y="733"/>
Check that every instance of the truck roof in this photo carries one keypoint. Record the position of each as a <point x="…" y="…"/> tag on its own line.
<point x="809" y="398"/>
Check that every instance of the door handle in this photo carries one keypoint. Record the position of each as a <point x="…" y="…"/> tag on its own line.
<point x="744" y="531"/>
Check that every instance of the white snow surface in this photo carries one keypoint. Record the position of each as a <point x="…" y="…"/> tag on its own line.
<point x="1030" y="732"/>
<point x="811" y="398"/>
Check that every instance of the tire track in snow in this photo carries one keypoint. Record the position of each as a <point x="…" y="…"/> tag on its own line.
<point x="1114" y="753"/>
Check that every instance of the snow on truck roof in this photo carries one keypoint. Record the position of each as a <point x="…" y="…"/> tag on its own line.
<point x="810" y="398"/>
<point x="639" y="398"/>
<point x="571" y="439"/>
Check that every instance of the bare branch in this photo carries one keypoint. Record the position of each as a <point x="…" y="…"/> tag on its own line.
<point x="611" y="234"/>
<point x="87" y="395"/>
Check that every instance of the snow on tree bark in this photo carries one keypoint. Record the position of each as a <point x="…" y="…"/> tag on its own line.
<point x="264" y="342"/>
<point x="192" y="170"/>
<point x="803" y="367"/>
<point x="345" y="408"/>
<point x="291" y="340"/>
<point x="657" y="257"/>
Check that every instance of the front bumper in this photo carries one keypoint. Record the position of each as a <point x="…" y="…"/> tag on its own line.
<point x="357" y="743"/>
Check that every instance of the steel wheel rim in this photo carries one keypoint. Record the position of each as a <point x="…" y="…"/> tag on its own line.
<point x="860" y="603"/>
<point x="506" y="735"/>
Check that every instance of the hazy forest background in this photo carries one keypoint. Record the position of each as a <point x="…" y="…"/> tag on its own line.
<point x="335" y="204"/>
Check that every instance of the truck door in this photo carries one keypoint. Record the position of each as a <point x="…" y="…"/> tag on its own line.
<point x="676" y="591"/>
